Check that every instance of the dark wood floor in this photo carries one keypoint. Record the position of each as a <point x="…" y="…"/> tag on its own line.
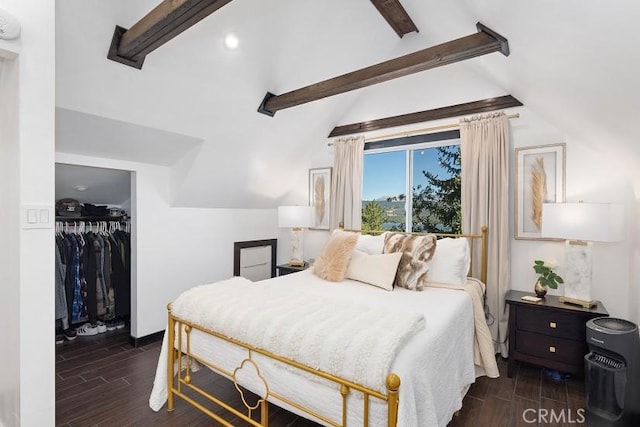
<point x="104" y="381"/>
<point x="527" y="399"/>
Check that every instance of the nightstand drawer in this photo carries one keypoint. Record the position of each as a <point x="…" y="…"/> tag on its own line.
<point x="548" y="333"/>
<point x="552" y="323"/>
<point x="551" y="348"/>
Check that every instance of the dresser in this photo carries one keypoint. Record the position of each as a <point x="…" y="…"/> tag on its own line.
<point x="548" y="333"/>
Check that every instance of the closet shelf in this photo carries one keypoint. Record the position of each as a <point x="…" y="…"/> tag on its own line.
<point x="91" y="218"/>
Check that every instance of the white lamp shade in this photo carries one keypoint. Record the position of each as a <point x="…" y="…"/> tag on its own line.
<point x="294" y="216"/>
<point x="597" y="222"/>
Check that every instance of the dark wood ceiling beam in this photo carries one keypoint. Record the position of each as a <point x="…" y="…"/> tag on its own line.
<point x="475" y="107"/>
<point x="164" y="22"/>
<point x="396" y="16"/>
<point x="481" y="43"/>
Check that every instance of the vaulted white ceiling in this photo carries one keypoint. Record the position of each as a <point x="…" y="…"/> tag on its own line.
<point x="574" y="63"/>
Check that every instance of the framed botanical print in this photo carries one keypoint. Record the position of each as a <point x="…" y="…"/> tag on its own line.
<point x="319" y="197"/>
<point x="539" y="178"/>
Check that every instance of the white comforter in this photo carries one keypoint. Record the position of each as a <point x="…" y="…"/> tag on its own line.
<point x="345" y="339"/>
<point x="435" y="366"/>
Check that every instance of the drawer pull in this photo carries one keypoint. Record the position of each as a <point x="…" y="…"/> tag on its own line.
<point x="552" y="349"/>
<point x="553" y="325"/>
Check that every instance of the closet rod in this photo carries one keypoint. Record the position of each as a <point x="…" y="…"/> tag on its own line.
<point x="421" y="131"/>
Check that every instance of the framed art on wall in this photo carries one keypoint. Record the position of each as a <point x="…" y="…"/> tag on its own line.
<point x="319" y="197"/>
<point x="539" y="178"/>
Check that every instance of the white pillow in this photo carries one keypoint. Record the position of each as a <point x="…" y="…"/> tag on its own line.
<point x="450" y="263"/>
<point x="371" y="245"/>
<point x="377" y="270"/>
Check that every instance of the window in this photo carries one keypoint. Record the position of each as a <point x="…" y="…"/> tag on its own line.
<point x="429" y="172"/>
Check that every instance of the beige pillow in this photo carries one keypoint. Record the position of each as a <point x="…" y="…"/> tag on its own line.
<point x="334" y="258"/>
<point x="377" y="270"/>
<point x="416" y="252"/>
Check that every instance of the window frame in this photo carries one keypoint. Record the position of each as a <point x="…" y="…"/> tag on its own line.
<point x="391" y="145"/>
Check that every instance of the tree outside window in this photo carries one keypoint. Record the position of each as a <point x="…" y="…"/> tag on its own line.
<point x="436" y="202"/>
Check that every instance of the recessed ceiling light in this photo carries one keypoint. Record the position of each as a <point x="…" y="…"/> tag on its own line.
<point x="81" y="188"/>
<point x="231" y="41"/>
<point x="9" y="26"/>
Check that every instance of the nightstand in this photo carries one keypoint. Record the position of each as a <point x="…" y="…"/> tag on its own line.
<point x="548" y="333"/>
<point x="288" y="269"/>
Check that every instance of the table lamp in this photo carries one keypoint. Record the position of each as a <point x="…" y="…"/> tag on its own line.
<point x="296" y="218"/>
<point x="580" y="224"/>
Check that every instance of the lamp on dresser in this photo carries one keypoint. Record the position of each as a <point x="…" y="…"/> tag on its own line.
<point x="296" y="218"/>
<point x="580" y="224"/>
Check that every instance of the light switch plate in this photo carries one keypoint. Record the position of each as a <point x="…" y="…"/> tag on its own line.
<point x="37" y="216"/>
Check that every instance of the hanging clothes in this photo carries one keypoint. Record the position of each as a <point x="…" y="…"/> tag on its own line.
<point x="121" y="272"/>
<point x="61" y="311"/>
<point x="89" y="264"/>
<point x="93" y="277"/>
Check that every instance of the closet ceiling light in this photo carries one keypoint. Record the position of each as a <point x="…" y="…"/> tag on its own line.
<point x="231" y="41"/>
<point x="81" y="188"/>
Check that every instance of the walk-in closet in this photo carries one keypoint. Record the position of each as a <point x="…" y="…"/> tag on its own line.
<point x="92" y="251"/>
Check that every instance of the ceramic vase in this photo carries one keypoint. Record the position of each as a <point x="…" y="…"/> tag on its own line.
<point x="540" y="290"/>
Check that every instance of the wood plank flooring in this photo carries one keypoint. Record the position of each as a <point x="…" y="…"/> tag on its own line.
<point x="103" y="381"/>
<point x="530" y="398"/>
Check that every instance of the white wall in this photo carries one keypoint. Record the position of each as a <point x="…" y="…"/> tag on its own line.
<point x="592" y="175"/>
<point x="174" y="249"/>
<point x="634" y="270"/>
<point x="31" y="176"/>
<point x="634" y="234"/>
<point x="10" y="232"/>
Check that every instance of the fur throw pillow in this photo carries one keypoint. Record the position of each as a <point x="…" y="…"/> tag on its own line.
<point x="334" y="258"/>
<point x="416" y="252"/>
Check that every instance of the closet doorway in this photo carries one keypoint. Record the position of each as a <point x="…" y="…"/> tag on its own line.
<point x="93" y="252"/>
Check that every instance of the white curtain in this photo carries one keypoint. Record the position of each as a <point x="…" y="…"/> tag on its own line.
<point x="346" y="183"/>
<point x="485" y="201"/>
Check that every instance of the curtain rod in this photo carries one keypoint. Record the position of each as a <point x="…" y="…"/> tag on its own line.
<point x="422" y="130"/>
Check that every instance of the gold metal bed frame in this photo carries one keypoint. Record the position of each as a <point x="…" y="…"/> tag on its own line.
<point x="180" y="380"/>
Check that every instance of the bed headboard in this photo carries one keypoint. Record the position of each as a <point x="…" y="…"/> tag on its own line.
<point x="477" y="246"/>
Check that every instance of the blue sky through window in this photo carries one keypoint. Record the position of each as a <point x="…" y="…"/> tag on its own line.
<point x="384" y="173"/>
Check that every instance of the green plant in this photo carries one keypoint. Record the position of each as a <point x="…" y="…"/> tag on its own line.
<point x="547" y="277"/>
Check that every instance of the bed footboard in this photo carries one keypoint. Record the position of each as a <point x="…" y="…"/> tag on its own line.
<point x="179" y="381"/>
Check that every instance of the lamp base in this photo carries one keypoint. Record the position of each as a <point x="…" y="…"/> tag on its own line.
<point x="575" y="301"/>
<point x="577" y="283"/>
<point x="296" y="259"/>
